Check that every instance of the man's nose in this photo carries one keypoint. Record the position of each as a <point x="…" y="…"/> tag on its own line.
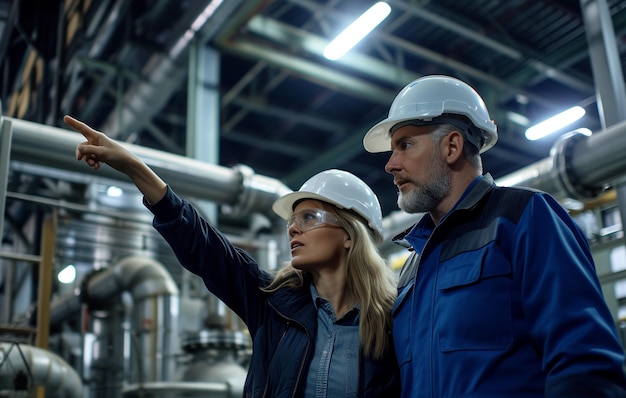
<point x="392" y="164"/>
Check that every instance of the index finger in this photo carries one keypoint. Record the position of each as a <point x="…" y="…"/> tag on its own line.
<point x="79" y="126"/>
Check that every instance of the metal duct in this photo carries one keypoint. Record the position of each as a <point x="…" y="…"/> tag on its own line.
<point x="43" y="369"/>
<point x="239" y="188"/>
<point x="142" y="277"/>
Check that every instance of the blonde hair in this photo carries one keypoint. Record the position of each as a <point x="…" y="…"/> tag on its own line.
<point x="369" y="279"/>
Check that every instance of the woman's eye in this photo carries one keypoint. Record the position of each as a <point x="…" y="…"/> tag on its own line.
<point x="308" y="216"/>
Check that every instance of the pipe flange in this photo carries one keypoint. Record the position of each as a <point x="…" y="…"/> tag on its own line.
<point x="204" y="339"/>
<point x="561" y="153"/>
<point x="245" y="198"/>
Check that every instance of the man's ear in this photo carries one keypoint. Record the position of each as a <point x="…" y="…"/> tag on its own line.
<point x="453" y="148"/>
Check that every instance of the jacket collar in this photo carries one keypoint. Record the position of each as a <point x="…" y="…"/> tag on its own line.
<point x="295" y="304"/>
<point x="471" y="198"/>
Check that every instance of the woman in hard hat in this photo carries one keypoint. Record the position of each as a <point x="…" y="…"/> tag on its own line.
<point x="321" y="327"/>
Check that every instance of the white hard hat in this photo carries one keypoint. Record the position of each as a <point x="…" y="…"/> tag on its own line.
<point x="426" y="99"/>
<point x="339" y="188"/>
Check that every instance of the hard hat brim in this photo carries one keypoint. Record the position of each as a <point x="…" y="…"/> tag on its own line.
<point x="377" y="139"/>
<point x="283" y="206"/>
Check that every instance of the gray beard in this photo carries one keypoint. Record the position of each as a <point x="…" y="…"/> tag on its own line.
<point x="426" y="197"/>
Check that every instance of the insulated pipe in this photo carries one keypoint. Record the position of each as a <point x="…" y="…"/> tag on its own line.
<point x="579" y="167"/>
<point x="140" y="276"/>
<point x="237" y="187"/>
<point x="64" y="307"/>
<point x="42" y="368"/>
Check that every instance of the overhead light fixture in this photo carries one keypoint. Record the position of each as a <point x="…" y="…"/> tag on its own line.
<point x="67" y="275"/>
<point x="357" y="30"/>
<point x="555" y="123"/>
<point x="114" y="191"/>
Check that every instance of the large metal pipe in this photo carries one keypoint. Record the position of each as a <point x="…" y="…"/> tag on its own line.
<point x="579" y="167"/>
<point x="141" y="276"/>
<point x="237" y="187"/>
<point x="37" y="368"/>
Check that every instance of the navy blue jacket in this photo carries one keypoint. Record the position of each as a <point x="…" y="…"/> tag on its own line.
<point x="282" y="324"/>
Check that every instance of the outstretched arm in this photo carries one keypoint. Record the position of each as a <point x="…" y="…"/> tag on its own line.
<point x="101" y="149"/>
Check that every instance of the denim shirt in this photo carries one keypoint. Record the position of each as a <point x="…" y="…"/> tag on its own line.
<point x="334" y="369"/>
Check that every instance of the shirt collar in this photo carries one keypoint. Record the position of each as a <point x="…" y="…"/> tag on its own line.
<point x="319" y="300"/>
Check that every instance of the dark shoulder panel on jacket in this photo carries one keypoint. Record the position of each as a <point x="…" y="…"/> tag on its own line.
<point x="474" y="228"/>
<point x="509" y="202"/>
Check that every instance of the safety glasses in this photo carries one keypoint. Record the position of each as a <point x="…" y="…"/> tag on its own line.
<point x="308" y="219"/>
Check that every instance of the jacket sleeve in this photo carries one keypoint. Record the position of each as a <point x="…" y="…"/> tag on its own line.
<point x="230" y="273"/>
<point x="570" y="322"/>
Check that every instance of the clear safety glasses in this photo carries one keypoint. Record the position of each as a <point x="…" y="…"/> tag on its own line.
<point x="308" y="219"/>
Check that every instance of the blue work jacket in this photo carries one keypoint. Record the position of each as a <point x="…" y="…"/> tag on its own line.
<point x="502" y="299"/>
<point x="282" y="324"/>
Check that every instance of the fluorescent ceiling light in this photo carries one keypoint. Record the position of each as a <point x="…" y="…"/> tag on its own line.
<point x="354" y="33"/>
<point x="555" y="123"/>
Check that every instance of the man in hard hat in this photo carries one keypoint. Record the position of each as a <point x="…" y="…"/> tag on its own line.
<point x="500" y="297"/>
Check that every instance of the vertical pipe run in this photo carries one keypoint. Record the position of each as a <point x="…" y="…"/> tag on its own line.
<point x="5" y="158"/>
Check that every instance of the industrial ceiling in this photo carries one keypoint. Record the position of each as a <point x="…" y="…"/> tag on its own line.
<point x="273" y="102"/>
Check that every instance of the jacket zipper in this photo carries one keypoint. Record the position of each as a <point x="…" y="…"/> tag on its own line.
<point x="306" y="353"/>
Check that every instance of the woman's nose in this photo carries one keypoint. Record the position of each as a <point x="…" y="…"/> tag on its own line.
<point x="293" y="229"/>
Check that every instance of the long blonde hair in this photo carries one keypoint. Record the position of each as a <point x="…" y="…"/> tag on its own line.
<point x="369" y="279"/>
